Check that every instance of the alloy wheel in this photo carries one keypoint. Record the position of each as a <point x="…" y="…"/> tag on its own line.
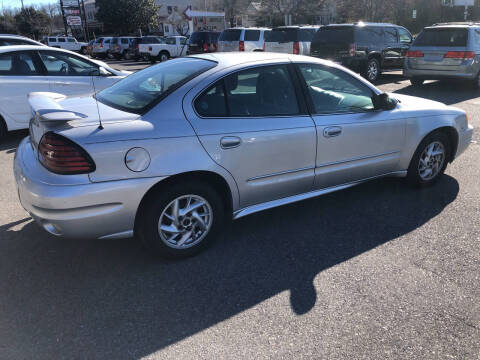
<point x="372" y="70"/>
<point x="185" y="221"/>
<point x="431" y="161"/>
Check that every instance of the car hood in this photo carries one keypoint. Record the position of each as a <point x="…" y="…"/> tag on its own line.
<point x="112" y="70"/>
<point x="413" y="103"/>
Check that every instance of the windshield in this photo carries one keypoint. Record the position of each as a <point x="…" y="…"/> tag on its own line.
<point x="334" y="34"/>
<point x="282" y="35"/>
<point x="230" y="35"/>
<point x="141" y="91"/>
<point x="449" y="37"/>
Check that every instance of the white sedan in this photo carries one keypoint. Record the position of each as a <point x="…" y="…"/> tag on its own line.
<point x="26" y="69"/>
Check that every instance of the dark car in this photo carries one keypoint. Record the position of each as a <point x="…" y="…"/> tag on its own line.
<point x="120" y="46"/>
<point x="203" y="42"/>
<point x="367" y="48"/>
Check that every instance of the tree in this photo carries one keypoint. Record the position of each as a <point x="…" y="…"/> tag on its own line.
<point x="127" y="16"/>
<point x="302" y="11"/>
<point x="32" y="22"/>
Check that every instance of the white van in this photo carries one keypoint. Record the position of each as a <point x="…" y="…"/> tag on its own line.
<point x="291" y="39"/>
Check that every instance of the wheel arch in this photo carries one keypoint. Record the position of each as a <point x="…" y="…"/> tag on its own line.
<point x="452" y="135"/>
<point x="219" y="183"/>
<point x="3" y="126"/>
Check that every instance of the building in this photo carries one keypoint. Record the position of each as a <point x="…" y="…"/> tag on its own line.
<point x="186" y="16"/>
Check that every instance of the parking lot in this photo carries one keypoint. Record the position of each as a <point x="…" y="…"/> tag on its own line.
<point x="377" y="271"/>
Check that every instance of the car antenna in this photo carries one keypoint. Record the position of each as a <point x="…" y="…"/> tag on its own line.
<point x="100" y="126"/>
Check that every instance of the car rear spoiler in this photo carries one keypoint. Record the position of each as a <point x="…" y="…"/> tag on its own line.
<point x="45" y="107"/>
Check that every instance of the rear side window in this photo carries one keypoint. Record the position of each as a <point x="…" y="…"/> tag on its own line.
<point x="61" y="40"/>
<point x="334" y="34"/>
<point x="261" y="91"/>
<point x="230" y="35"/>
<point x="17" y="64"/>
<point x="52" y="40"/>
<point x="390" y="35"/>
<point x="369" y="35"/>
<point x="252" y="35"/>
<point x="71" y="40"/>
<point x="404" y="36"/>
<point x="141" y="91"/>
<point x="442" y="37"/>
<point x="125" y="41"/>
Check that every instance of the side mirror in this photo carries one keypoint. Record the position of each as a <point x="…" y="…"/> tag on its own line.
<point x="100" y="71"/>
<point x="383" y="102"/>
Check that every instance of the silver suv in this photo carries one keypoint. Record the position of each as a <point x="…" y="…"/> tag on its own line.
<point x="242" y="39"/>
<point x="444" y="51"/>
<point x="290" y="39"/>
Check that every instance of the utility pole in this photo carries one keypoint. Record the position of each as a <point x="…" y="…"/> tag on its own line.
<point x="23" y="7"/>
<point x="85" y="24"/>
<point x="63" y="16"/>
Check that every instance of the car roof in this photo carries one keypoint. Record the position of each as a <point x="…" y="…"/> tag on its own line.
<point x="231" y="58"/>
<point x="452" y="26"/>
<point x="361" y="23"/>
<point x="299" y="27"/>
<point x="10" y="48"/>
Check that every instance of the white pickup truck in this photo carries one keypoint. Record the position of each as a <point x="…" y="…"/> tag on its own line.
<point x="172" y="46"/>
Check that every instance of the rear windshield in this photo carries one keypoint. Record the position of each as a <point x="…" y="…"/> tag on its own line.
<point x="252" y="35"/>
<point x="442" y="37"/>
<point x="230" y="35"/>
<point x="334" y="34"/>
<point x="141" y="91"/>
<point x="282" y="35"/>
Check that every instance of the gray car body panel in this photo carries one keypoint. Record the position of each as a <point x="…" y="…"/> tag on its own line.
<point x="279" y="159"/>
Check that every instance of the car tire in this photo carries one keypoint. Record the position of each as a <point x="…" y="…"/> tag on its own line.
<point x="372" y="70"/>
<point x="476" y="82"/>
<point x="158" y="213"/>
<point x="163" y="56"/>
<point x="3" y="128"/>
<point x="126" y="55"/>
<point x="417" y="82"/>
<point x="418" y="171"/>
<point x="84" y="51"/>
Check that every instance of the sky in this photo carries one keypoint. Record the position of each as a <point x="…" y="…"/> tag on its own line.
<point x="18" y="3"/>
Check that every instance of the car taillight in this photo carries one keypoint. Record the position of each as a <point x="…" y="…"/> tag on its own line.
<point x="118" y="47"/>
<point x="263" y="48"/>
<point x="241" y="46"/>
<point x="62" y="156"/>
<point x="460" y="55"/>
<point x="150" y="48"/>
<point x="352" y="49"/>
<point x="296" y="48"/>
<point x="414" y="54"/>
<point x="138" y="46"/>
<point x="216" y="46"/>
<point x="205" y="47"/>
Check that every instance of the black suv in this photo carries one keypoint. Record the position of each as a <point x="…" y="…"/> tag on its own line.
<point x="203" y="42"/>
<point x="367" y="48"/>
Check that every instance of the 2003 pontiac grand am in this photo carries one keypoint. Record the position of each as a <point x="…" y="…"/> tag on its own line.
<point x="174" y="151"/>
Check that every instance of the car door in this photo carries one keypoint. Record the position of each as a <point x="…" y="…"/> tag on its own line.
<point x="68" y="74"/>
<point x="355" y="141"/>
<point x="391" y="50"/>
<point x="252" y="123"/>
<point x="20" y="74"/>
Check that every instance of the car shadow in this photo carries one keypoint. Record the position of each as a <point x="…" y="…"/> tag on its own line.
<point x="111" y="299"/>
<point x="389" y="78"/>
<point x="449" y="92"/>
<point x="10" y="142"/>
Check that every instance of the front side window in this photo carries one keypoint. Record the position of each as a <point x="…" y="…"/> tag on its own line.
<point x="334" y="91"/>
<point x="171" y="41"/>
<point x="141" y="91"/>
<point x="52" y="40"/>
<point x="64" y="64"/>
<point x="124" y="41"/>
<point x="183" y="41"/>
<point x="71" y="40"/>
<point x="257" y="92"/>
<point x="61" y="40"/>
<point x="369" y="34"/>
<point x="17" y="64"/>
<point x="230" y="35"/>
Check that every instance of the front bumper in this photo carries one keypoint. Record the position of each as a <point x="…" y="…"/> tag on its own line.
<point x="464" y="139"/>
<point x="87" y="210"/>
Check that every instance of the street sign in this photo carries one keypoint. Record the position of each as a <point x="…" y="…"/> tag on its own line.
<point x="74" y="21"/>
<point x="414" y="14"/>
<point x="70" y="3"/>
<point x="464" y="2"/>
<point x="72" y="12"/>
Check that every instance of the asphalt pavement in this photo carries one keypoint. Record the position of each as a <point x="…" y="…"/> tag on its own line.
<point x="378" y="271"/>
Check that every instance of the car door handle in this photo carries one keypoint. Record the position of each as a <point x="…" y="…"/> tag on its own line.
<point x="332" y="131"/>
<point x="230" y="142"/>
<point x="62" y="83"/>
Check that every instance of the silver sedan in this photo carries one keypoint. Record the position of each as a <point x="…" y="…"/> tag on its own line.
<point x="171" y="153"/>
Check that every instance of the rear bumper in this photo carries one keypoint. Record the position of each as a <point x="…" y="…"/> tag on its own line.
<point x="91" y="210"/>
<point x="457" y="72"/>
